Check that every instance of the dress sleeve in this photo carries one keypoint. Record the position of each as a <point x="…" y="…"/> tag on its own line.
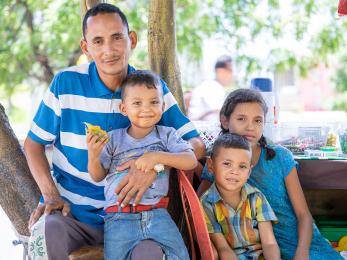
<point x="173" y="116"/>
<point x="264" y="211"/>
<point x="206" y="175"/>
<point x="286" y="160"/>
<point x="212" y="224"/>
<point x="46" y="123"/>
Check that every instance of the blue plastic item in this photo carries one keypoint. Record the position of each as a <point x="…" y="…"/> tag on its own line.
<point x="262" y="84"/>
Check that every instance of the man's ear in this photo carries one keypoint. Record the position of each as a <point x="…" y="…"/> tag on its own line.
<point x="84" y="48"/>
<point x="209" y="165"/>
<point x="133" y="39"/>
<point x="122" y="109"/>
<point x="224" y="122"/>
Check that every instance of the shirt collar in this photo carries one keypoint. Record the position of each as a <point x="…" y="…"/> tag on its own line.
<point x="213" y="195"/>
<point x="98" y="86"/>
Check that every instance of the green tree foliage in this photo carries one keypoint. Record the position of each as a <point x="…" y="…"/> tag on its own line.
<point x="41" y="37"/>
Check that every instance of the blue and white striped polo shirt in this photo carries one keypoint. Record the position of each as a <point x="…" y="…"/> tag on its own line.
<point x="77" y="95"/>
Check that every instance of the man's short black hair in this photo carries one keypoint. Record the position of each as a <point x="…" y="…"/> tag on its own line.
<point x="141" y="77"/>
<point x="103" y="8"/>
<point x="229" y="140"/>
<point x="223" y="62"/>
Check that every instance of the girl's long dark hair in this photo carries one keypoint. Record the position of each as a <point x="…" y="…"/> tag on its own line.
<point x="245" y="95"/>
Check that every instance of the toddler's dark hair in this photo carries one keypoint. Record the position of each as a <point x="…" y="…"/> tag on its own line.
<point x="246" y="95"/>
<point x="141" y="77"/>
<point x="229" y="140"/>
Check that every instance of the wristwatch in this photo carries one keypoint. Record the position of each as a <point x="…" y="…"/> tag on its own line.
<point x="159" y="167"/>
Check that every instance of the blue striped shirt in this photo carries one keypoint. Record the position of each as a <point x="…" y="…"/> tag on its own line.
<point x="77" y="95"/>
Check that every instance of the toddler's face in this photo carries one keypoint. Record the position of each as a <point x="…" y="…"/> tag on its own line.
<point x="142" y="105"/>
<point x="231" y="168"/>
<point x="247" y="120"/>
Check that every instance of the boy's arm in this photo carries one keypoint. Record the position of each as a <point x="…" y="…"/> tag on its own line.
<point x="271" y="250"/>
<point x="223" y="249"/>
<point x="182" y="161"/>
<point x="95" y="169"/>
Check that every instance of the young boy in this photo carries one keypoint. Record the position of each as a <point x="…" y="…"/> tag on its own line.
<point x="238" y="215"/>
<point x="151" y="146"/>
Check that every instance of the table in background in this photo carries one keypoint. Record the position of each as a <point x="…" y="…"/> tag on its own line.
<point x="325" y="186"/>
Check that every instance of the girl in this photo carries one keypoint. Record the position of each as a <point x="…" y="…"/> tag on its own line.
<point x="274" y="173"/>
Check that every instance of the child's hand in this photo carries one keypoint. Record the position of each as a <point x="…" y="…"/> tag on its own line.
<point x="95" y="145"/>
<point x="147" y="161"/>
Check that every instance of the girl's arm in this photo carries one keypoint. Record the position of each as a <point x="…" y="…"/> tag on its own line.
<point x="223" y="249"/>
<point x="268" y="241"/>
<point x="297" y="198"/>
<point x="182" y="161"/>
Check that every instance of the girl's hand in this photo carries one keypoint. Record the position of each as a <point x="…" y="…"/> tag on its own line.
<point x="147" y="161"/>
<point x="95" y="146"/>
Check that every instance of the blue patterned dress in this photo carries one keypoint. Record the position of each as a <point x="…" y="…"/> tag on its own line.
<point x="269" y="178"/>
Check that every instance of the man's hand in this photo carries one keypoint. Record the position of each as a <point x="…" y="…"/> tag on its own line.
<point x="147" y="161"/>
<point x="134" y="184"/>
<point x="47" y="207"/>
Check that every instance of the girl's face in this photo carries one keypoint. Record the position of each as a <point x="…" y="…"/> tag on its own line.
<point x="247" y="120"/>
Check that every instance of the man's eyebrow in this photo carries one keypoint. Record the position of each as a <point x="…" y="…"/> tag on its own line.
<point x="97" y="38"/>
<point x="118" y="34"/>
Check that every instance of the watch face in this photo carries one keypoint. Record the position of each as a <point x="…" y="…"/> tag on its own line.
<point x="159" y="167"/>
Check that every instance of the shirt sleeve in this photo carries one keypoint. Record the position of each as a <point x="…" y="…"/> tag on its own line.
<point x="175" y="143"/>
<point x="173" y="116"/>
<point x="107" y="153"/>
<point x="46" y="123"/>
<point x="212" y="224"/>
<point x="264" y="211"/>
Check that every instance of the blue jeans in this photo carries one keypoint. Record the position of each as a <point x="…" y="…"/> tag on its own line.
<point x="122" y="231"/>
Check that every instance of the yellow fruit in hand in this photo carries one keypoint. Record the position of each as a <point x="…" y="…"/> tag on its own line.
<point x="95" y="130"/>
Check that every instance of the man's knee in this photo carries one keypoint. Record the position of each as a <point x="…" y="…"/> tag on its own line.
<point x="56" y="226"/>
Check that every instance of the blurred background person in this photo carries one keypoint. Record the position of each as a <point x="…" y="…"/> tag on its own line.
<point x="208" y="98"/>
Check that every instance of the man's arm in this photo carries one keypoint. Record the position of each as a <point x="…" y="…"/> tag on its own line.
<point x="198" y="146"/>
<point x="39" y="167"/>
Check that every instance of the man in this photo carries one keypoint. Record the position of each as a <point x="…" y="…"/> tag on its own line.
<point x="87" y="93"/>
<point x="207" y="99"/>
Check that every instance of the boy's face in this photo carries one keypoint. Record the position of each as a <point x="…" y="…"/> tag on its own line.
<point x="143" y="106"/>
<point x="231" y="168"/>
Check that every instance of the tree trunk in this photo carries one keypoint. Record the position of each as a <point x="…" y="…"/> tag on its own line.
<point x="87" y="4"/>
<point x="19" y="193"/>
<point x="162" y="45"/>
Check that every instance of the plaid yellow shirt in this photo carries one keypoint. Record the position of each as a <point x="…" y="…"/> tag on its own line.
<point x="240" y="226"/>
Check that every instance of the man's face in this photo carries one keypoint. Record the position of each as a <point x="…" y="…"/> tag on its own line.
<point x="108" y="43"/>
<point x="225" y="75"/>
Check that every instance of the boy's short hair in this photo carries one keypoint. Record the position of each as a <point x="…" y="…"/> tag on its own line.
<point x="229" y="140"/>
<point x="141" y="77"/>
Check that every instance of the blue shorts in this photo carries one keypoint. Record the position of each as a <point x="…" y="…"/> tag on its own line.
<point x="123" y="231"/>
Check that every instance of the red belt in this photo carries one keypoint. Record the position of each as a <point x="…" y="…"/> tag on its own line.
<point x="163" y="203"/>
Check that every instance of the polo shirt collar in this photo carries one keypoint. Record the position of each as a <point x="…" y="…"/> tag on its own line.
<point x="99" y="87"/>
<point x="213" y="195"/>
